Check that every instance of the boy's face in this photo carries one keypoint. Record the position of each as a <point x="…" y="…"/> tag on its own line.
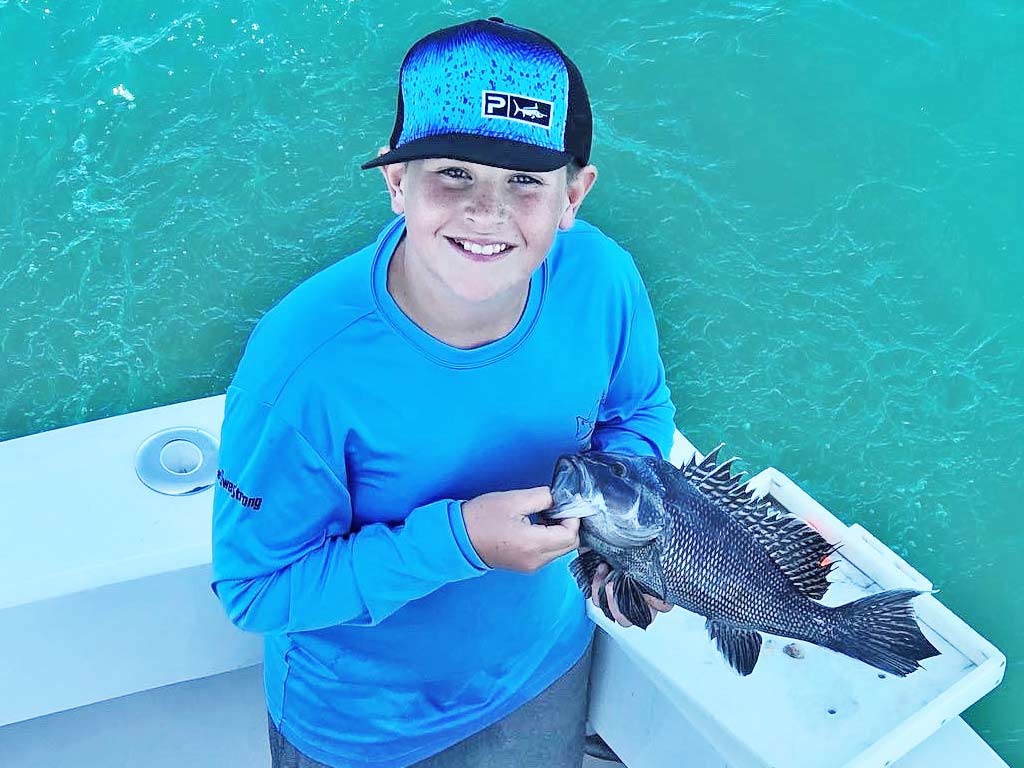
<point x="479" y="232"/>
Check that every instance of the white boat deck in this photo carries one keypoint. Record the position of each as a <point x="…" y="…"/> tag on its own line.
<point x="116" y="652"/>
<point x="220" y="722"/>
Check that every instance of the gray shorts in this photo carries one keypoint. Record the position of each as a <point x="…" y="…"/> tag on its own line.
<point x="548" y="730"/>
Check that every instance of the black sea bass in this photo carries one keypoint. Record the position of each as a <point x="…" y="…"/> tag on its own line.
<point x="696" y="538"/>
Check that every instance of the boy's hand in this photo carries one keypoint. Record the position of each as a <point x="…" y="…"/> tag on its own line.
<point x="654" y="605"/>
<point x="500" y="530"/>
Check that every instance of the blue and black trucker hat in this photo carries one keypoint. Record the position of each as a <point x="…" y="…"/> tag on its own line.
<point x="491" y="93"/>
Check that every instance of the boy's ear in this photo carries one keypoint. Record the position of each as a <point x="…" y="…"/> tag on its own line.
<point x="575" y="191"/>
<point x="394" y="175"/>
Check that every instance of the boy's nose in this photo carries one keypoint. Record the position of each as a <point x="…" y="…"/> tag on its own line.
<point x="486" y="205"/>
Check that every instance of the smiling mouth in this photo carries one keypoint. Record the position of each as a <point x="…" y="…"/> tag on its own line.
<point x="480" y="249"/>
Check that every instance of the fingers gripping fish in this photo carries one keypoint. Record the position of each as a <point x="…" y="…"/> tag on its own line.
<point x="696" y="538"/>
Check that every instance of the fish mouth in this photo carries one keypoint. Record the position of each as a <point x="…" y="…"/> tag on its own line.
<point x="571" y="486"/>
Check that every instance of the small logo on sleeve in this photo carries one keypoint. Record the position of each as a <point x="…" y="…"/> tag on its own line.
<point x="249" y="502"/>
<point x="512" y="106"/>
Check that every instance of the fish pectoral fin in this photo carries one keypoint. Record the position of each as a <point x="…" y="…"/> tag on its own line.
<point x="629" y="595"/>
<point x="741" y="647"/>
<point x="630" y="598"/>
<point x="602" y="592"/>
<point x="602" y="598"/>
<point x="583" y="569"/>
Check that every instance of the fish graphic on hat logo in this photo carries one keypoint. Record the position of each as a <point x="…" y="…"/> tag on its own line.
<point x="532" y="111"/>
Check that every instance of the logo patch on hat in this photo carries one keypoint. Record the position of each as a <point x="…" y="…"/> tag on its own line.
<point x="512" y="106"/>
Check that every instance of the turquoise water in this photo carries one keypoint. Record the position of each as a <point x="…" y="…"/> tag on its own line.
<point x="824" y="197"/>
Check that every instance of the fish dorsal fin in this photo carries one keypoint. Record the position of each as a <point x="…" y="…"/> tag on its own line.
<point x="799" y="551"/>
<point x="741" y="647"/>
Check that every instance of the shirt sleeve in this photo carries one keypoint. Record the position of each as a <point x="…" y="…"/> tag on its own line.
<point x="637" y="414"/>
<point x="285" y="558"/>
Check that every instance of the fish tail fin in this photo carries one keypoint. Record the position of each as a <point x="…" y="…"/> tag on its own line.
<point x="881" y="630"/>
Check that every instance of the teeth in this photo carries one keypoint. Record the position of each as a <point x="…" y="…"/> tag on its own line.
<point x="484" y="250"/>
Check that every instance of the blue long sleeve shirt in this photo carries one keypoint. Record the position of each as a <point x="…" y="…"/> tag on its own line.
<point x="350" y="439"/>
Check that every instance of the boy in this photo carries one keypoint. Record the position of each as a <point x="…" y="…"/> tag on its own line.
<point x="397" y="418"/>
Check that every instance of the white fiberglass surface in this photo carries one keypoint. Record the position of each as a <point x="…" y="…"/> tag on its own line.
<point x="76" y="516"/>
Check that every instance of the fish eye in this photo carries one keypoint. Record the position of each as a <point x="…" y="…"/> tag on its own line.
<point x="619" y="469"/>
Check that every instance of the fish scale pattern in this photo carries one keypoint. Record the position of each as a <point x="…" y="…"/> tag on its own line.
<point x="718" y="558"/>
<point x="446" y="79"/>
<point x="714" y="565"/>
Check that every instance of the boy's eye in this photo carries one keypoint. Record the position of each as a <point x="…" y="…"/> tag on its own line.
<point x="522" y="178"/>
<point x="454" y="173"/>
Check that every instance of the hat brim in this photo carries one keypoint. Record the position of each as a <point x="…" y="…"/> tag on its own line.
<point x="472" y="148"/>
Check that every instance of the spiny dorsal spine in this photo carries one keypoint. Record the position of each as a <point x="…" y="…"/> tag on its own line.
<point x="798" y="550"/>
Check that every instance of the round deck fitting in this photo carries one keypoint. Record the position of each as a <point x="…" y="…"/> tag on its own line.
<point x="178" y="461"/>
